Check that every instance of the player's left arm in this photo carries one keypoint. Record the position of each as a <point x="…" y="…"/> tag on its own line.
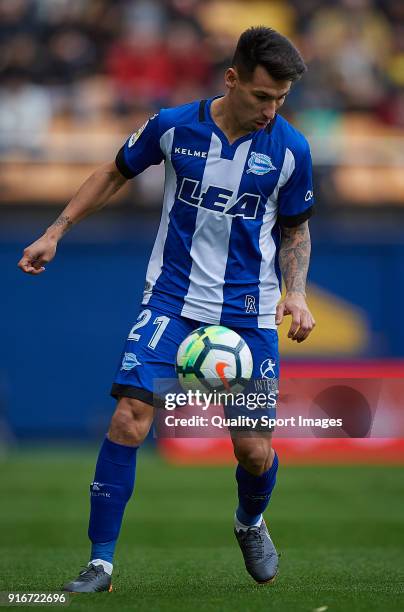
<point x="294" y="258"/>
<point x="295" y="207"/>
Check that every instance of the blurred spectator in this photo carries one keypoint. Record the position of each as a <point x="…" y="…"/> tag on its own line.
<point x="394" y="10"/>
<point x="391" y="109"/>
<point x="350" y="40"/>
<point x="147" y="16"/>
<point x="395" y="63"/>
<point x="22" y="52"/>
<point x="186" y="10"/>
<point x="190" y="67"/>
<point x="233" y="16"/>
<point x="25" y="115"/>
<point x="140" y="71"/>
<point x="71" y="55"/>
<point x="17" y="17"/>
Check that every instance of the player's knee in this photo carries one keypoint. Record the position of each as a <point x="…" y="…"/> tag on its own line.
<point x="131" y="422"/>
<point x="255" y="458"/>
<point x="255" y="464"/>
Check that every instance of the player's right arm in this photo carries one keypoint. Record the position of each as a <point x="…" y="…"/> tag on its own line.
<point x="139" y="152"/>
<point x="90" y="197"/>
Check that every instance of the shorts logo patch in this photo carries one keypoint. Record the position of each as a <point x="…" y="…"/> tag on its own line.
<point x="129" y="362"/>
<point x="259" y="164"/>
<point x="267" y="368"/>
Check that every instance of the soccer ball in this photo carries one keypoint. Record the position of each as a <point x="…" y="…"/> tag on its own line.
<point x="214" y="358"/>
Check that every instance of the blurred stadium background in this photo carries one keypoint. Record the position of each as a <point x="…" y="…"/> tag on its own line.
<point x="78" y="76"/>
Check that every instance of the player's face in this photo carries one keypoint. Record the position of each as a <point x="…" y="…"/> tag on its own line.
<point x="255" y="102"/>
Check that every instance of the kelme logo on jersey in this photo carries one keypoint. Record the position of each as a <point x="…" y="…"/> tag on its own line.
<point x="129" y="362"/>
<point x="259" y="163"/>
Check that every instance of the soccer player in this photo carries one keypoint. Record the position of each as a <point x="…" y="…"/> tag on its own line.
<point x="237" y="199"/>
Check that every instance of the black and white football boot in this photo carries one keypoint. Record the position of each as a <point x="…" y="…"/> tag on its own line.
<point x="92" y="579"/>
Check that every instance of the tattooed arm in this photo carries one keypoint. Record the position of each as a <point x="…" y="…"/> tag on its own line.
<point x="294" y="257"/>
<point x="91" y="196"/>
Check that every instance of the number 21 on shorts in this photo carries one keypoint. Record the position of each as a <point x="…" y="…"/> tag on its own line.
<point x="142" y="320"/>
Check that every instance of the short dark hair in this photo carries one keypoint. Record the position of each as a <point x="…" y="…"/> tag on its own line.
<point x="262" y="46"/>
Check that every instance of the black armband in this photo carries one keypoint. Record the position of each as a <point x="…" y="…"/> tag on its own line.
<point x="122" y="165"/>
<point x="295" y="220"/>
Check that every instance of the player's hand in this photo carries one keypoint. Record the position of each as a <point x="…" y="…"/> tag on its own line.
<point x="303" y="322"/>
<point x="37" y="254"/>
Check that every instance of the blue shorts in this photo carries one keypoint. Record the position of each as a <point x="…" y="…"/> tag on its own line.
<point x="151" y="348"/>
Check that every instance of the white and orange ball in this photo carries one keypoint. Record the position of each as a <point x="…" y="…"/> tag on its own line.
<point x="214" y="358"/>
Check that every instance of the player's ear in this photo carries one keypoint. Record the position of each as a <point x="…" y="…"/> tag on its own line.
<point x="230" y="78"/>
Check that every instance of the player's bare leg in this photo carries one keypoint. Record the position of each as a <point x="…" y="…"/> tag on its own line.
<point x="256" y="477"/>
<point x="111" y="490"/>
<point x="130" y="422"/>
<point x="255" y="454"/>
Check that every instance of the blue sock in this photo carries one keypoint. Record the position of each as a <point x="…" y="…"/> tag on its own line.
<point x="110" y="491"/>
<point x="254" y="492"/>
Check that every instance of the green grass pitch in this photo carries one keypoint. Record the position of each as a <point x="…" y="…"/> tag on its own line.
<point x="340" y="531"/>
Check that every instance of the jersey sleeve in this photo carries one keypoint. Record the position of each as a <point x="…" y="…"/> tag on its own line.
<point x="141" y="150"/>
<point x="295" y="198"/>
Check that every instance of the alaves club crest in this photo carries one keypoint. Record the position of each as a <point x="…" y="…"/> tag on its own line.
<point x="129" y="362"/>
<point x="259" y="163"/>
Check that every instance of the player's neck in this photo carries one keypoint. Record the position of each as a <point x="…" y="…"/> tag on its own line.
<point x="223" y="116"/>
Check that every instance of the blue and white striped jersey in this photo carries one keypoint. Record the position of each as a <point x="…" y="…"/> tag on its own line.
<point x="215" y="258"/>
